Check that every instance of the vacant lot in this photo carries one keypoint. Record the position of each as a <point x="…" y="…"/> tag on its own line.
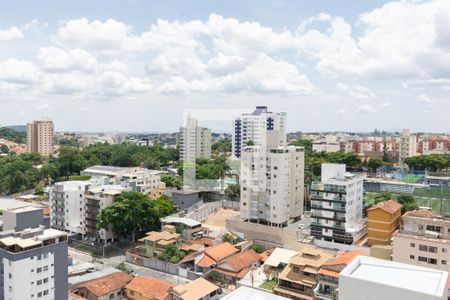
<point x="219" y="218"/>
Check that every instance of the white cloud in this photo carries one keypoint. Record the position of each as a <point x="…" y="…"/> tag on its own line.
<point x="424" y="99"/>
<point x="356" y="91"/>
<point x="18" y="71"/>
<point x="386" y="104"/>
<point x="59" y="60"/>
<point x="12" y="33"/>
<point x="43" y="106"/>
<point x="365" y="109"/>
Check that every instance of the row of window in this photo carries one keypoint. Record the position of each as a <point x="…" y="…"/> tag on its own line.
<point x="428" y="260"/>
<point x="426" y="248"/>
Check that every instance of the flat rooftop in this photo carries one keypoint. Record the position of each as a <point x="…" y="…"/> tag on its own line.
<point x="248" y="293"/>
<point x="397" y="275"/>
<point x="7" y="203"/>
<point x="185" y="221"/>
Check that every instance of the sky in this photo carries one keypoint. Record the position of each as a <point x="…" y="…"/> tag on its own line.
<point x="138" y="66"/>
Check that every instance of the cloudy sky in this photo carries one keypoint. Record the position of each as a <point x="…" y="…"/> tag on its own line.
<point x="137" y="65"/>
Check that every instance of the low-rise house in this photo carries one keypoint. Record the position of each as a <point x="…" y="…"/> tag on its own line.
<point x="329" y="274"/>
<point x="210" y="257"/>
<point x="105" y="288"/>
<point x="188" y="228"/>
<point x="147" y="288"/>
<point x="154" y="242"/>
<point x="278" y="260"/>
<point x="199" y="289"/>
<point x="423" y="240"/>
<point x="300" y="277"/>
<point x="237" y="266"/>
<point x="383" y="220"/>
<point x="370" y="278"/>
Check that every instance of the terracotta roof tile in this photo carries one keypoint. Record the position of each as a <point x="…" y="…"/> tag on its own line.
<point x="344" y="258"/>
<point x="195" y="290"/>
<point x="242" y="260"/>
<point x="150" y="288"/>
<point x="206" y="261"/>
<point x="389" y="206"/>
<point x="107" y="284"/>
<point x="220" y="251"/>
<point x="419" y="213"/>
<point x="73" y="296"/>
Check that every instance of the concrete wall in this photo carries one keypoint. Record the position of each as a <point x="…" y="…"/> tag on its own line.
<point x="18" y="221"/>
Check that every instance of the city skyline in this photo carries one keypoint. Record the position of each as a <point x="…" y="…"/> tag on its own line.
<point x="135" y="66"/>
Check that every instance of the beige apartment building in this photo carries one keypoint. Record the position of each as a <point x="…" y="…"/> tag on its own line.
<point x="423" y="240"/>
<point x="40" y="137"/>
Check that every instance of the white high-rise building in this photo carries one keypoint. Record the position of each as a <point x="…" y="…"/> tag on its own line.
<point x="40" y="137"/>
<point x="195" y="141"/>
<point x="261" y="127"/>
<point x="408" y="145"/>
<point x="337" y="206"/>
<point x="272" y="184"/>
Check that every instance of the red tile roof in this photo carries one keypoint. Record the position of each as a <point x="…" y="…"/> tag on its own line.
<point x="389" y="206"/>
<point x="419" y="213"/>
<point x="73" y="296"/>
<point x="340" y="259"/>
<point x="105" y="285"/>
<point x="220" y="251"/>
<point x="150" y="288"/>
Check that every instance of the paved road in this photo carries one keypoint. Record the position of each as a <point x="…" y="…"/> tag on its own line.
<point x="81" y="257"/>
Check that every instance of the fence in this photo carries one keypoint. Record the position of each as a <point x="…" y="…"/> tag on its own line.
<point x="159" y="265"/>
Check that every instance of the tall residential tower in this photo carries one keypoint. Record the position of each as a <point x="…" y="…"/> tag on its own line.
<point x="40" y="137"/>
<point x="195" y="141"/>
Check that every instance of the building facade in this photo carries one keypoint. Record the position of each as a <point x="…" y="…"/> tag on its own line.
<point x="408" y="146"/>
<point x="383" y="220"/>
<point x="194" y="141"/>
<point x="260" y="128"/>
<point x="40" y="137"/>
<point x="272" y="184"/>
<point x="337" y="206"/>
<point x="33" y="264"/>
<point x="423" y="240"/>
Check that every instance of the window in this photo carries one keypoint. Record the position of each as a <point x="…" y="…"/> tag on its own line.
<point x="9" y="275"/>
<point x="38" y="270"/>
<point x="45" y="280"/>
<point x="444" y="262"/>
<point x="46" y="292"/>
<point x="422" y="259"/>
<point x="411" y="257"/>
<point x="432" y="261"/>
<point x="39" y="294"/>
<point x="45" y="268"/>
<point x="412" y="245"/>
<point x="432" y="249"/>
<point x="296" y="270"/>
<point x="39" y="282"/>
<point x="423" y="248"/>
<point x="444" y="250"/>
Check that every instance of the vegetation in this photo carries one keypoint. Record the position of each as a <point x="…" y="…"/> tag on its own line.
<point x="374" y="164"/>
<point x="408" y="203"/>
<point x="233" y="191"/>
<point x="221" y="146"/>
<point x="172" y="181"/>
<point x="256" y="247"/>
<point x="432" y="162"/>
<point x="133" y="213"/>
<point x="269" y="285"/>
<point x="172" y="254"/>
<point x="382" y="197"/>
<point x="13" y="135"/>
<point x="206" y="168"/>
<point x="123" y="267"/>
<point x="4" y="149"/>
<point x="228" y="237"/>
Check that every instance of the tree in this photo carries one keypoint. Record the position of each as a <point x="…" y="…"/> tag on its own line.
<point x="49" y="171"/>
<point x="172" y="254"/>
<point x="233" y="191"/>
<point x="133" y="213"/>
<point x="408" y="203"/>
<point x="172" y="181"/>
<point x="70" y="161"/>
<point x="256" y="247"/>
<point x="385" y="196"/>
<point x="375" y="163"/>
<point x="4" y="149"/>
<point x="250" y="143"/>
<point x="227" y="237"/>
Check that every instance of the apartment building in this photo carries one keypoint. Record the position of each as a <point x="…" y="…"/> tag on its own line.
<point x="383" y="220"/>
<point x="300" y="276"/>
<point x="40" y="137"/>
<point x="373" y="279"/>
<point x="260" y="128"/>
<point x="95" y="199"/>
<point x="67" y="205"/>
<point x="136" y="178"/>
<point x="326" y="147"/>
<point x="428" y="146"/>
<point x="74" y="206"/>
<point x="33" y="264"/>
<point x="423" y="240"/>
<point x="272" y="185"/>
<point x="337" y="206"/>
<point x="408" y="145"/>
<point x="194" y="141"/>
